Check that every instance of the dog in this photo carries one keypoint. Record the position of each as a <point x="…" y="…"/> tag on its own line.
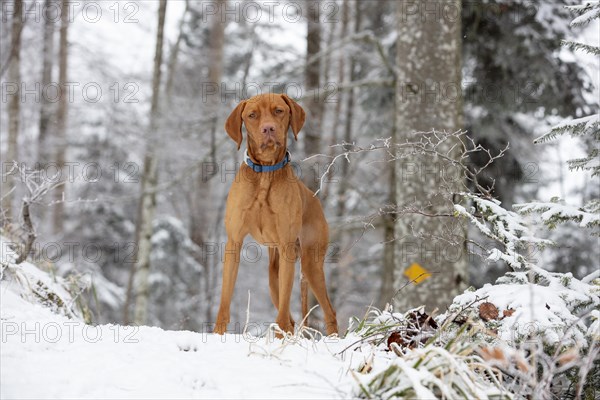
<point x="270" y="203"/>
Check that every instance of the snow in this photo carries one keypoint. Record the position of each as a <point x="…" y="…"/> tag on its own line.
<point x="588" y="121"/>
<point x="587" y="16"/>
<point x="551" y="211"/>
<point x="506" y="227"/>
<point x="47" y="355"/>
<point x="547" y="308"/>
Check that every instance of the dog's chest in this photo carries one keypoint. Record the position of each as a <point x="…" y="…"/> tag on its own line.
<point x="270" y="212"/>
<point x="261" y="217"/>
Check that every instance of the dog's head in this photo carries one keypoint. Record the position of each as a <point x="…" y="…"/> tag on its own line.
<point x="267" y="118"/>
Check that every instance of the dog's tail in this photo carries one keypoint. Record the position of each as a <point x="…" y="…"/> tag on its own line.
<point x="304" y="297"/>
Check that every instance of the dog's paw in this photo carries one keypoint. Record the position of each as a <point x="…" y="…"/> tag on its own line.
<point x="285" y="328"/>
<point x="220" y="328"/>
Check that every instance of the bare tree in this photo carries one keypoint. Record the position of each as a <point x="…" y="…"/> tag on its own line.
<point x="149" y="182"/>
<point x="428" y="96"/>
<point x="339" y="237"/>
<point x="60" y="141"/>
<point x="199" y="215"/>
<point x="314" y="105"/>
<point x="14" y="105"/>
<point x="312" y="128"/>
<point x="386" y="292"/>
<point x="174" y="55"/>
<point x="36" y="186"/>
<point x="215" y="70"/>
<point x="341" y="73"/>
<point x="47" y="66"/>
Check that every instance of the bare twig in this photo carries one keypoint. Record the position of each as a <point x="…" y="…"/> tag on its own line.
<point x="37" y="187"/>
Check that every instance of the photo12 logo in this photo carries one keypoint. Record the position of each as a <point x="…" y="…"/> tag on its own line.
<point x="269" y="11"/>
<point x="88" y="11"/>
<point x="88" y="92"/>
<point x="66" y="332"/>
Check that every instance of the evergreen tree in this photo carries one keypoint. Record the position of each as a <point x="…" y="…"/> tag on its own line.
<point x="514" y="80"/>
<point x="587" y="130"/>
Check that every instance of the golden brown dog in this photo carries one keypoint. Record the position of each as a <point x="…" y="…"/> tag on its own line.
<point x="269" y="202"/>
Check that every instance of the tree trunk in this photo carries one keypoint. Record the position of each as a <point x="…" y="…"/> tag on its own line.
<point x="149" y="181"/>
<point x="343" y="187"/>
<point x="200" y="214"/>
<point x="216" y="43"/>
<point x="46" y="105"/>
<point x="174" y="55"/>
<point x="338" y="238"/>
<point x="427" y="97"/>
<point x="61" y="115"/>
<point x="386" y="293"/>
<point x="336" y="118"/>
<point x="312" y="126"/>
<point x="341" y="74"/>
<point x="314" y="105"/>
<point x="14" y="105"/>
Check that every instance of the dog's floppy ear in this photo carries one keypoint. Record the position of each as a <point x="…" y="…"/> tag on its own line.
<point x="233" y="125"/>
<point x="297" y="116"/>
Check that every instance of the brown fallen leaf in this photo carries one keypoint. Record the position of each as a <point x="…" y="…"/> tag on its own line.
<point x="494" y="354"/>
<point x="396" y="337"/>
<point x="568" y="356"/>
<point x="488" y="311"/>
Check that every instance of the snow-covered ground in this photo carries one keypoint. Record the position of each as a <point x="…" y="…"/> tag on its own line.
<point x="48" y="355"/>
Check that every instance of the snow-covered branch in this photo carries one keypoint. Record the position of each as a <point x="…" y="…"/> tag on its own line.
<point x="555" y="212"/>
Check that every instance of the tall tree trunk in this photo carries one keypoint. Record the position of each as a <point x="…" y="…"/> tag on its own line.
<point x="47" y="65"/>
<point x="215" y="71"/>
<point x="341" y="73"/>
<point x="14" y="105"/>
<point x="343" y="187"/>
<point x="174" y="55"/>
<point x="149" y="181"/>
<point x="386" y="293"/>
<point x="314" y="108"/>
<point x="429" y="66"/>
<point x="61" y="115"/>
<point x="314" y="105"/>
<point x="200" y="215"/>
<point x="338" y="239"/>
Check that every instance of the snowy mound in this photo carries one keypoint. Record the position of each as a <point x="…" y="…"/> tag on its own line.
<point x="49" y="352"/>
<point x="558" y="308"/>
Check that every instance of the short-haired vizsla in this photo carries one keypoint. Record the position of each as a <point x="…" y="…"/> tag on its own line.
<point x="270" y="203"/>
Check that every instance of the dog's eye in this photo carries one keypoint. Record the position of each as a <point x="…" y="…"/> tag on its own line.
<point x="278" y="111"/>
<point x="252" y="115"/>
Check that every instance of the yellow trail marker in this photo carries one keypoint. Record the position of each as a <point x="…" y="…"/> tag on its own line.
<point x="417" y="274"/>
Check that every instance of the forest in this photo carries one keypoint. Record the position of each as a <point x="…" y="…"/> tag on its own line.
<point x="454" y="147"/>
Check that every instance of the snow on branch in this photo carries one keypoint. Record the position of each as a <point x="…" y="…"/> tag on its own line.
<point x="506" y="227"/>
<point x="586" y="126"/>
<point x="555" y="212"/>
<point x="586" y="13"/>
<point x="589" y="125"/>
<point x="576" y="46"/>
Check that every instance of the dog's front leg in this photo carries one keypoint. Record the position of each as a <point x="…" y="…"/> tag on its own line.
<point x="231" y="265"/>
<point x="287" y="269"/>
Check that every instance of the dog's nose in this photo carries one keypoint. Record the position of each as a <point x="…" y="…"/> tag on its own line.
<point x="268" y="129"/>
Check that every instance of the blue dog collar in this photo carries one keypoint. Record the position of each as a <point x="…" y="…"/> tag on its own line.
<point x="266" y="168"/>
